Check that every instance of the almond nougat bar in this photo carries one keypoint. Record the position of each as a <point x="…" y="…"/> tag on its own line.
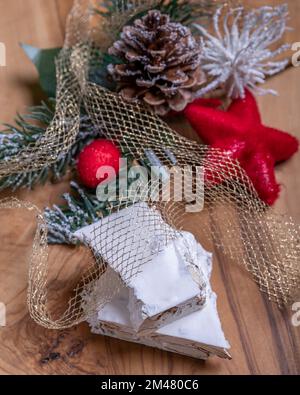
<point x="197" y="335"/>
<point x="170" y="284"/>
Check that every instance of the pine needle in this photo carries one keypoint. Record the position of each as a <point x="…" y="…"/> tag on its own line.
<point x="27" y="130"/>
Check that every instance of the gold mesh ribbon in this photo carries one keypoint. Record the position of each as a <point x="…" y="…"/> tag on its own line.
<point x="233" y="220"/>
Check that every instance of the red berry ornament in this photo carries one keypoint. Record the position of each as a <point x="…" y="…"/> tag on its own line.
<point x="95" y="155"/>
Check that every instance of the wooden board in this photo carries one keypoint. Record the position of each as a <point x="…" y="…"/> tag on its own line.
<point x="262" y="337"/>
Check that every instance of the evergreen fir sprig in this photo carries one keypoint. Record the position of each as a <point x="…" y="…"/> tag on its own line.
<point x="123" y="12"/>
<point x="187" y="12"/>
<point x="82" y="207"/>
<point x="120" y="9"/>
<point x="27" y="130"/>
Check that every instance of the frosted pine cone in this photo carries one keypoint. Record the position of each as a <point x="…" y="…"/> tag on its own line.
<point x="161" y="63"/>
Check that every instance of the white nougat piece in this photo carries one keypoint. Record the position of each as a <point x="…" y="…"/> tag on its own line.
<point x="198" y="335"/>
<point x="168" y="287"/>
<point x="170" y="283"/>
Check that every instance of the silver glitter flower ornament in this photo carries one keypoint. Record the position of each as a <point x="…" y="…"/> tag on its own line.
<point x="238" y="56"/>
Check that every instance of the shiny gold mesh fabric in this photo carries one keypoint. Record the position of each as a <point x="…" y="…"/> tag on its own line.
<point x="234" y="221"/>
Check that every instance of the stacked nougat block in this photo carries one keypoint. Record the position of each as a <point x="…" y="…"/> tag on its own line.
<point x="165" y="298"/>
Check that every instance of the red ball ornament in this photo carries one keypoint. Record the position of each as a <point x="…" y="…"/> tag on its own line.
<point x="95" y="155"/>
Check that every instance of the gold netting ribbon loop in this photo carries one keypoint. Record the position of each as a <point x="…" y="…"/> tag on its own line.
<point x="233" y="219"/>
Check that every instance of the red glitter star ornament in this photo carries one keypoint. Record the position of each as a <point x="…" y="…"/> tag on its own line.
<point x="240" y="133"/>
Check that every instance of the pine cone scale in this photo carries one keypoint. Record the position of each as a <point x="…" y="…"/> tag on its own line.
<point x="155" y="53"/>
<point x="145" y="83"/>
<point x="154" y="100"/>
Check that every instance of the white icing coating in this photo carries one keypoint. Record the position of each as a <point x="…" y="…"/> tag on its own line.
<point x="165" y="282"/>
<point x="203" y="326"/>
<point x="116" y="311"/>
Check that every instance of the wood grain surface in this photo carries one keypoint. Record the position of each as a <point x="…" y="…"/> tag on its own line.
<point x="262" y="337"/>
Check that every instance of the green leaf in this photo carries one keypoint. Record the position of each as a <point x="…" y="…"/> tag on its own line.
<point x="44" y="61"/>
<point x="98" y="72"/>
